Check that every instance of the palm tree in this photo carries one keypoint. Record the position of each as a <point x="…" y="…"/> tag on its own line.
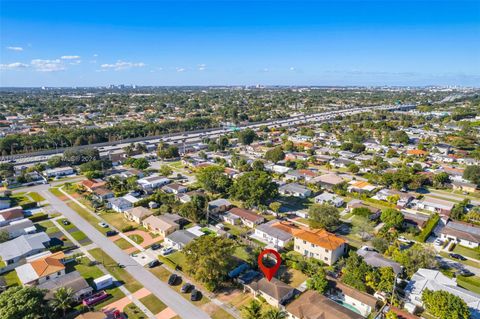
<point x="63" y="300"/>
<point x="274" y="313"/>
<point x="252" y="311"/>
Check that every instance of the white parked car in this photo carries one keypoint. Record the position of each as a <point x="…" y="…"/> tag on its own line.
<point x="167" y="250"/>
<point x="438" y="242"/>
<point x="404" y="240"/>
<point x="103" y="224"/>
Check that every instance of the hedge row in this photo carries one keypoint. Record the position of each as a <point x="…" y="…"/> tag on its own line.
<point x="429" y="227"/>
<point x="38" y="217"/>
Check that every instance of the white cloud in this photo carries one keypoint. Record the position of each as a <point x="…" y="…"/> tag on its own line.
<point x="292" y="68"/>
<point x="202" y="67"/>
<point x="122" y="65"/>
<point x="47" y="65"/>
<point x="95" y="55"/>
<point x="18" y="49"/>
<point x="180" y="69"/>
<point x="75" y="62"/>
<point x="13" y="66"/>
<point x="70" y="57"/>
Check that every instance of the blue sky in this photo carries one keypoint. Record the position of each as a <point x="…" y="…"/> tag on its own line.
<point x="343" y="42"/>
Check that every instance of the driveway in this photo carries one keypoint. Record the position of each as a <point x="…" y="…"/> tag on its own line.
<point x="160" y="289"/>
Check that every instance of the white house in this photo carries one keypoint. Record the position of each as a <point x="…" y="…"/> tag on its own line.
<point x="294" y="189"/>
<point x="464" y="234"/>
<point x="329" y="198"/>
<point x="119" y="204"/>
<point x="153" y="182"/>
<point x="59" y="171"/>
<point x="275" y="233"/>
<point x="435" y="280"/>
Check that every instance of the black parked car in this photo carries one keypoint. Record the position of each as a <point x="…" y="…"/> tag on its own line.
<point x="465" y="273"/>
<point x="153" y="263"/>
<point x="111" y="233"/>
<point x="156" y="246"/>
<point x="458" y="256"/>
<point x="65" y="222"/>
<point x="195" y="295"/>
<point x="186" y="288"/>
<point x="173" y="279"/>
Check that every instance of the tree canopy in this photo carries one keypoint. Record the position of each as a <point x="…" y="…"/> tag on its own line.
<point x="323" y="216"/>
<point x="445" y="305"/>
<point x="254" y="188"/>
<point x="213" y="179"/>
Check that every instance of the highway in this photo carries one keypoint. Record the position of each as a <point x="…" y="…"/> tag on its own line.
<point x="198" y="135"/>
<point x="160" y="289"/>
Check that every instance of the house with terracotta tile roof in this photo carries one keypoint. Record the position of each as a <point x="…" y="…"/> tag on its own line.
<point x="92" y="184"/>
<point x="320" y="244"/>
<point x="41" y="268"/>
<point x="417" y="152"/>
<point x="360" y="187"/>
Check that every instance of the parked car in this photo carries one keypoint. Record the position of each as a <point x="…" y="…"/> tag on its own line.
<point x="457" y="256"/>
<point x="111" y="233"/>
<point x="195" y="295"/>
<point x="65" y="222"/>
<point x="167" y="251"/>
<point x="186" y="288"/>
<point x="173" y="279"/>
<point x="103" y="224"/>
<point x="438" y="242"/>
<point x="156" y="246"/>
<point x="464" y="273"/>
<point x="153" y="263"/>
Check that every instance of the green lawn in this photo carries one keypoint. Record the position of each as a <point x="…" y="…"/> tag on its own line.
<point x="469" y="283"/>
<point x="55" y="191"/>
<point x="115" y="294"/>
<point x="78" y="235"/>
<point x="117" y="220"/>
<point x="241" y="253"/>
<point x="153" y="304"/>
<point x="88" y="217"/>
<point x="122" y="243"/>
<point x="66" y="227"/>
<point x="467" y="252"/>
<point x="36" y="197"/>
<point x="88" y="272"/>
<point x="133" y="312"/>
<point x="221" y="314"/>
<point x="48" y="227"/>
<point x="175" y="259"/>
<point x="119" y="273"/>
<point x="136" y="238"/>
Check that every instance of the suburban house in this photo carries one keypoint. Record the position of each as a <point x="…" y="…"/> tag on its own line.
<point x="360" y="187"/>
<point x="403" y="198"/>
<point x="218" y="206"/>
<point x="137" y="214"/>
<point x="356" y="203"/>
<point x="461" y="233"/>
<point x="186" y="197"/>
<point x="376" y="260"/>
<point x="14" y="252"/>
<point x="119" y="204"/>
<point x="102" y="194"/>
<point x="313" y="305"/>
<point x="9" y="215"/>
<point x="59" y="171"/>
<point x="41" y="268"/>
<point x="153" y="182"/>
<point x="418" y="220"/>
<point x="275" y="291"/>
<point x="73" y="280"/>
<point x="300" y="174"/>
<point x="247" y="217"/>
<point x="329" y="180"/>
<point x="92" y="184"/>
<point x="162" y="225"/>
<point x="329" y="198"/>
<point x="179" y="239"/>
<point x="294" y="189"/>
<point x="464" y="187"/>
<point x="320" y="244"/>
<point x="275" y="232"/>
<point x="174" y="188"/>
<point x="19" y="227"/>
<point x="440" y="206"/>
<point x="434" y="280"/>
<point x="364" y="303"/>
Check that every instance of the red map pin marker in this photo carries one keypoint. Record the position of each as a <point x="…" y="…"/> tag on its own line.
<point x="269" y="272"/>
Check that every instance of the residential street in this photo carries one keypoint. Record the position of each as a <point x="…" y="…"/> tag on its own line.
<point x="160" y="289"/>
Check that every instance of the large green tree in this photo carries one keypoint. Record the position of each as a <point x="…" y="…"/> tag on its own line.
<point x="275" y="154"/>
<point x="253" y="310"/>
<point x="24" y="303"/>
<point x="355" y="271"/>
<point x="213" y="179"/>
<point x="254" y="188"/>
<point x="323" y="216"/>
<point x="392" y="218"/>
<point x="472" y="174"/>
<point x="247" y="136"/>
<point x="445" y="305"/>
<point x="318" y="281"/>
<point x="63" y="300"/>
<point x="208" y="259"/>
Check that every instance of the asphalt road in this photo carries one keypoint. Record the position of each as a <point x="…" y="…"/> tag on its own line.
<point x="160" y="289"/>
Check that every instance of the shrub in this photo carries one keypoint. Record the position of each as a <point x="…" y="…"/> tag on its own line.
<point x="28" y="205"/>
<point x="38" y="217"/>
<point x="128" y="228"/>
<point x="429" y="227"/>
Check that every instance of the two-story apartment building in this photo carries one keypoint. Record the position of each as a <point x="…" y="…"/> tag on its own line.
<point x="320" y="244"/>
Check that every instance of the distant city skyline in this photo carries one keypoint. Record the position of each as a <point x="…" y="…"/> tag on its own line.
<point x="301" y="43"/>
